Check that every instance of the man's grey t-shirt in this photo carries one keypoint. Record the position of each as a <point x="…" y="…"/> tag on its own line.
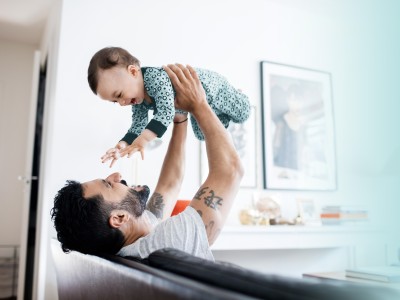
<point x="184" y="231"/>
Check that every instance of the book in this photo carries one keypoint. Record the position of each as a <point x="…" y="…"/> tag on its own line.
<point x="343" y="215"/>
<point x="377" y="273"/>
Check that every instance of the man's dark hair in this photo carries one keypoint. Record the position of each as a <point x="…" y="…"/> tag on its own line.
<point x="82" y="224"/>
<point x="108" y="58"/>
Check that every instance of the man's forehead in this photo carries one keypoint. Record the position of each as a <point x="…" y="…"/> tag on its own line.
<point x="93" y="187"/>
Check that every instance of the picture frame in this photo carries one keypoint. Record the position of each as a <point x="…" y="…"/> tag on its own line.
<point x="297" y="128"/>
<point x="244" y="139"/>
<point x="308" y="212"/>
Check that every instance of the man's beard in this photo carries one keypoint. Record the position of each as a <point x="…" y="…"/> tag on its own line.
<point x="135" y="202"/>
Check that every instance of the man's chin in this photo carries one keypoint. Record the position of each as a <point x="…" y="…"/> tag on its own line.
<point x="146" y="191"/>
<point x="144" y="196"/>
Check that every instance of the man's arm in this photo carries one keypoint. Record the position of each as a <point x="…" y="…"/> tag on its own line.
<point x="215" y="196"/>
<point x="164" y="198"/>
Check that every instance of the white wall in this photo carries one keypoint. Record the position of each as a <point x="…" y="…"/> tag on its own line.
<point x="16" y="61"/>
<point x="230" y="37"/>
<point x="200" y="33"/>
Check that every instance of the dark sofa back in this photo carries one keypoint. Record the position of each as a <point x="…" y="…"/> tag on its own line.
<point x="81" y="276"/>
<point x="259" y="285"/>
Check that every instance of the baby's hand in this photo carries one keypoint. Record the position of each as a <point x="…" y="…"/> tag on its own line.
<point x="137" y="146"/>
<point x="113" y="153"/>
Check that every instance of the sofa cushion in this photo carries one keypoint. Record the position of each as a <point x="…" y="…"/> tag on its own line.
<point x="257" y="284"/>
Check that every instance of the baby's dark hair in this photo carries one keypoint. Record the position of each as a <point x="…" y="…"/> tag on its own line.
<point x="108" y="58"/>
<point x="82" y="223"/>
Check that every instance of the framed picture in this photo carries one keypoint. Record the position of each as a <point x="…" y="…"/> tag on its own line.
<point x="244" y="139"/>
<point x="308" y="212"/>
<point x="297" y="128"/>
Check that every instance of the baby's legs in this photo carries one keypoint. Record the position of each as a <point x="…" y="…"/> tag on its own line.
<point x="232" y="103"/>
<point x="228" y="105"/>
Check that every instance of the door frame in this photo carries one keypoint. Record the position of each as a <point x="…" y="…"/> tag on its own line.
<point x="27" y="177"/>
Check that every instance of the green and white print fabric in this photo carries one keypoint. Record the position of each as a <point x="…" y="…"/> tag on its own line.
<point x="227" y="102"/>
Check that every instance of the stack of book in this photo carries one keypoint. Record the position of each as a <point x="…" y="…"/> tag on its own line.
<point x="377" y="273"/>
<point x="342" y="215"/>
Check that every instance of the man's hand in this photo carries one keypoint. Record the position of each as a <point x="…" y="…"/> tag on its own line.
<point x="190" y="95"/>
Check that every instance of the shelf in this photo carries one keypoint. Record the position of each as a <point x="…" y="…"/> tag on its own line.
<point x="291" y="237"/>
<point x="291" y="229"/>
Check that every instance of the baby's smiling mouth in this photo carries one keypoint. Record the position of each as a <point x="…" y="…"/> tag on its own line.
<point x="133" y="101"/>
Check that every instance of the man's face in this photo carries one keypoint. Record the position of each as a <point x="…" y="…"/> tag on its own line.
<point x="115" y="191"/>
<point x="121" y="85"/>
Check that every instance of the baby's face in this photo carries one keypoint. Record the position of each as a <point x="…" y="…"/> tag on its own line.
<point x="122" y="85"/>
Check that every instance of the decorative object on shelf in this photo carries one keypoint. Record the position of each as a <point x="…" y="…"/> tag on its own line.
<point x="252" y="216"/>
<point x="297" y="128"/>
<point x="308" y="214"/>
<point x="298" y="220"/>
<point x="269" y="208"/>
<point x="263" y="210"/>
<point x="244" y="140"/>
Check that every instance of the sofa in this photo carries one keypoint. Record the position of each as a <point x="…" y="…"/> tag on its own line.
<point x="173" y="274"/>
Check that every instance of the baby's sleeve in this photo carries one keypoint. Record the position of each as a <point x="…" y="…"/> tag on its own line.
<point x="159" y="88"/>
<point x="139" y="122"/>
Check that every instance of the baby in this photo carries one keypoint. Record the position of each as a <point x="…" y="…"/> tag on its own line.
<point x="116" y="76"/>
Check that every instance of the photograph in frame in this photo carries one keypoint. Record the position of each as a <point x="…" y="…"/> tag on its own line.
<point x="308" y="212"/>
<point x="297" y="128"/>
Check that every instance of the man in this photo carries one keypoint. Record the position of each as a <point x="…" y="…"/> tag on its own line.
<point x="107" y="216"/>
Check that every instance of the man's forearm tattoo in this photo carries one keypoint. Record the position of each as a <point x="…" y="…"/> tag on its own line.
<point x="212" y="232"/>
<point x="209" y="197"/>
<point x="156" y="205"/>
<point x="200" y="193"/>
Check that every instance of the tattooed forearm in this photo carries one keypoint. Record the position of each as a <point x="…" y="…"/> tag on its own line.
<point x="210" y="199"/>
<point x="212" y="232"/>
<point x="200" y="193"/>
<point x="156" y="205"/>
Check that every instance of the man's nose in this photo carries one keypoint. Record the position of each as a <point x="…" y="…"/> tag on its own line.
<point x="115" y="177"/>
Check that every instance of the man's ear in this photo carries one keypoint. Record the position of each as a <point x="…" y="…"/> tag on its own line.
<point x="118" y="218"/>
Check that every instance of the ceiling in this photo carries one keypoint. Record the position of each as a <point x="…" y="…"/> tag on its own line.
<point x="23" y="20"/>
